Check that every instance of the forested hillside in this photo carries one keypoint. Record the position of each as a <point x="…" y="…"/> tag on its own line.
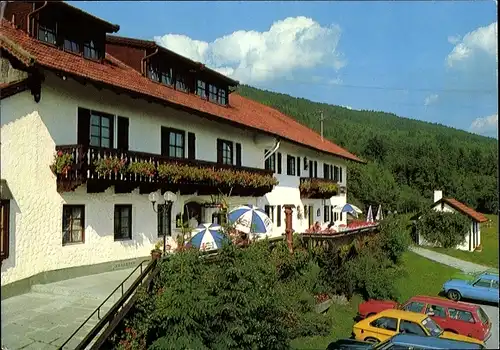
<point x="407" y="159"/>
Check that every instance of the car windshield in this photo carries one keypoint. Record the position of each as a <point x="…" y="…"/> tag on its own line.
<point x="482" y="315"/>
<point x="432" y="327"/>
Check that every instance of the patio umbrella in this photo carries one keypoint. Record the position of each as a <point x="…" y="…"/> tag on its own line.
<point x="351" y="209"/>
<point x="380" y="215"/>
<point x="207" y="237"/>
<point x="250" y="219"/>
<point x="369" y="216"/>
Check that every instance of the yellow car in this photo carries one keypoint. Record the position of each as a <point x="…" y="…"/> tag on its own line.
<point x="388" y="323"/>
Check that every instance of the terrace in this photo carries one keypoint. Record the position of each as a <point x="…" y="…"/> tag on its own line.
<point x="99" y="168"/>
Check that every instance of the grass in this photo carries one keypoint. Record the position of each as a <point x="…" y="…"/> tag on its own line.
<point x="422" y="276"/>
<point x="489" y="241"/>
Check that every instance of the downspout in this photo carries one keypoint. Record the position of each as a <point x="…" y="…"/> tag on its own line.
<point x="143" y="60"/>
<point x="273" y="150"/>
<point x="31" y="14"/>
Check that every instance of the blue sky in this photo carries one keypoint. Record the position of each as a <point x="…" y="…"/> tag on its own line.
<point x="434" y="61"/>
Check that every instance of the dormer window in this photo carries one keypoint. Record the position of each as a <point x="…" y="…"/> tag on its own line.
<point x="221" y="97"/>
<point x="90" y="50"/>
<point x="212" y="93"/>
<point x="166" y="76"/>
<point x="71" y="46"/>
<point x="153" y="73"/>
<point x="201" y="89"/>
<point x="48" y="33"/>
<point x="180" y="83"/>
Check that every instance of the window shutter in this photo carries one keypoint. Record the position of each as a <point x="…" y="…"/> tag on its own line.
<point x="325" y="171"/>
<point x="279" y="163"/>
<point x="165" y="134"/>
<point x="332" y="218"/>
<point x="298" y="166"/>
<point x="122" y="133"/>
<point x="83" y="132"/>
<point x="340" y="174"/>
<point x="238" y="154"/>
<point x="278" y="216"/>
<point x="219" y="151"/>
<point x="331" y="172"/>
<point x="191" y="145"/>
<point x="325" y="213"/>
<point x="316" y="169"/>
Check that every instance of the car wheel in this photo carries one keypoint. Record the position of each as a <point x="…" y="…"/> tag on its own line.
<point x="454" y="295"/>
<point x="372" y="340"/>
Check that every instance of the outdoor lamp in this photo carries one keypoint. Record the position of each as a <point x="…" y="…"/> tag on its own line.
<point x="169" y="198"/>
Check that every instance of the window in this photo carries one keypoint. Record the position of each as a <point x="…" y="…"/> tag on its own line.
<point x="123" y="222"/>
<point x="483" y="282"/>
<point x="290" y="165"/>
<point x="166" y="76"/>
<point x="47" y="33"/>
<point x="270" y="163"/>
<point x="4" y="228"/>
<point x="201" y="89"/>
<point x="414" y="306"/>
<point x="436" y="310"/>
<point x="225" y="152"/>
<point x="101" y="130"/>
<point x="389" y="323"/>
<point x="73" y="223"/>
<point x="494" y="284"/>
<point x="90" y="50"/>
<point x="269" y="209"/>
<point x="212" y="93"/>
<point x="336" y="173"/>
<point x="221" y="97"/>
<point x="153" y="73"/>
<point x="180" y="83"/>
<point x="71" y="45"/>
<point x="326" y="213"/>
<point x="461" y="315"/>
<point x="278" y="216"/>
<point x="326" y="171"/>
<point x="176" y="144"/>
<point x="335" y="216"/>
<point x="408" y="327"/>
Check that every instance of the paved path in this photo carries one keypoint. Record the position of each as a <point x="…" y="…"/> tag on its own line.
<point x="46" y="316"/>
<point x="468" y="267"/>
<point x="444" y="259"/>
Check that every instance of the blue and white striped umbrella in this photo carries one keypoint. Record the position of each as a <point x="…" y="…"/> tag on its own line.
<point x="207" y="237"/>
<point x="250" y="219"/>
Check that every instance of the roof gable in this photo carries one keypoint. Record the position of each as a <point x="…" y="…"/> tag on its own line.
<point x="462" y="208"/>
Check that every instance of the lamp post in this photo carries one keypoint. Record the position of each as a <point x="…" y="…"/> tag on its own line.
<point x="169" y="198"/>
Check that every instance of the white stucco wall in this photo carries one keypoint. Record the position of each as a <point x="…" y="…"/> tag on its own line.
<point x="29" y="134"/>
<point x="464" y="246"/>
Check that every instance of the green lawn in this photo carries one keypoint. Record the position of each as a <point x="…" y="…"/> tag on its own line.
<point x="489" y="241"/>
<point x="422" y="276"/>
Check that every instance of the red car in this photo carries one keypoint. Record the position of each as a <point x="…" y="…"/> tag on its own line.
<point x="457" y="317"/>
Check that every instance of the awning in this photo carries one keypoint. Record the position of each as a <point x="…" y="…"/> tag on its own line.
<point x="4" y="190"/>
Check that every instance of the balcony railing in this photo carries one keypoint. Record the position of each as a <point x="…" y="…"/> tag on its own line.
<point x="318" y="188"/>
<point x="100" y="168"/>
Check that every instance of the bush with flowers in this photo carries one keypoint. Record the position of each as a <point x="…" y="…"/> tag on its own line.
<point x="142" y="168"/>
<point x="110" y="165"/>
<point x="318" y="187"/>
<point x="176" y="173"/>
<point x="62" y="163"/>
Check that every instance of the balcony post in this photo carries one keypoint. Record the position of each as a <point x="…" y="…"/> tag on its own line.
<point x="288" y="226"/>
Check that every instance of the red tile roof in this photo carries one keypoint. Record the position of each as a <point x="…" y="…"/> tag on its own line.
<point x="465" y="209"/>
<point x="114" y="73"/>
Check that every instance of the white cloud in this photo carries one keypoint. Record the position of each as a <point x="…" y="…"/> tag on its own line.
<point x="250" y="56"/>
<point x="454" y="39"/>
<point x="487" y="126"/>
<point x="348" y="107"/>
<point x="431" y="99"/>
<point x="479" y="42"/>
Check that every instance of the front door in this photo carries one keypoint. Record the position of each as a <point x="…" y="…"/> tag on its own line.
<point x="310" y="213"/>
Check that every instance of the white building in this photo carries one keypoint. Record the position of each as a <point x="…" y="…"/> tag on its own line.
<point x="473" y="239"/>
<point x="145" y="107"/>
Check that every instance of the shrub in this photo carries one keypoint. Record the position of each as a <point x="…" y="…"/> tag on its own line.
<point x="446" y="229"/>
<point x="394" y="237"/>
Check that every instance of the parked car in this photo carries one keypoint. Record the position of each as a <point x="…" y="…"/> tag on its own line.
<point x="452" y="316"/>
<point x="472" y="276"/>
<point x="483" y="288"/>
<point x="388" y="323"/>
<point x="403" y="341"/>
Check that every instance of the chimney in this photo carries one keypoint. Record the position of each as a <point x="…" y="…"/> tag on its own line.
<point x="438" y="195"/>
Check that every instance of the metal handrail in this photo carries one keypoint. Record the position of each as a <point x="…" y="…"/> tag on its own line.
<point x="98" y="309"/>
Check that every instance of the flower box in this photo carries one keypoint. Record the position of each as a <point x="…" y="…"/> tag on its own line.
<point x="318" y="188"/>
<point x="110" y="165"/>
<point x="62" y="163"/>
<point x="142" y="168"/>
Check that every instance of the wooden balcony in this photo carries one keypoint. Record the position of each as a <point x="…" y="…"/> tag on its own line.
<point x="318" y="188"/>
<point x="99" y="168"/>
